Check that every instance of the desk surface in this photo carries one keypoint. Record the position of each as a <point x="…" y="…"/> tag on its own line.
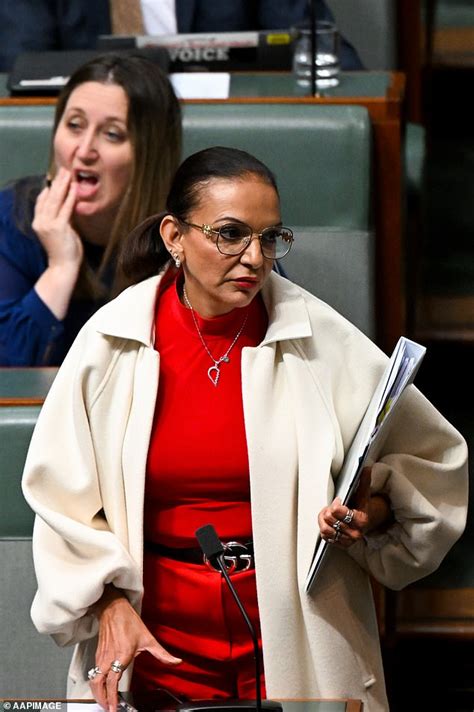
<point x="356" y="85"/>
<point x="25" y="386"/>
<point x="320" y="705"/>
<point x="351" y="84"/>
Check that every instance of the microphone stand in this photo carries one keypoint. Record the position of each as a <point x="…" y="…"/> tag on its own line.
<point x="214" y="550"/>
<point x="258" y="699"/>
<point x="313" y="49"/>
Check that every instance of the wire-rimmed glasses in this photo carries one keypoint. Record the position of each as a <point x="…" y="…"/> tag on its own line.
<point x="234" y="238"/>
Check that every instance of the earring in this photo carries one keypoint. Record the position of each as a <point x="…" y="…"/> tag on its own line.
<point x="176" y="259"/>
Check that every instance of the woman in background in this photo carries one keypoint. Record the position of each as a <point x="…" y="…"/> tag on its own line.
<point x="115" y="147"/>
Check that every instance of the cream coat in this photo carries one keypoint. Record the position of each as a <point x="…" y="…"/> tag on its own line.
<point x="305" y="389"/>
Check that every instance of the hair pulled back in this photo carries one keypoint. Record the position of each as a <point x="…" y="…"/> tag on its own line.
<point x="144" y="253"/>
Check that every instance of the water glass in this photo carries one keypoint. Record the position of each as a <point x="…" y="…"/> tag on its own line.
<point x="327" y="56"/>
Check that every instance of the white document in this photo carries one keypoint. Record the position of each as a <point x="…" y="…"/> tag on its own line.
<point x="369" y="438"/>
<point x="201" y="85"/>
<point x="94" y="707"/>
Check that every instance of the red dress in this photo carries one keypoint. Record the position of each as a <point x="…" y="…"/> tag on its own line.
<point x="198" y="473"/>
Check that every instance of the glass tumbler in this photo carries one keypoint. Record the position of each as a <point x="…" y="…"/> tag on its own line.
<point x="326" y="60"/>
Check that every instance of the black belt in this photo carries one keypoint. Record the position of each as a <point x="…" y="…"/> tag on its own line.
<point x="237" y="557"/>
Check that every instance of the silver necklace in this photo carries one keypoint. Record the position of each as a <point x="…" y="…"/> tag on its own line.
<point x="214" y="371"/>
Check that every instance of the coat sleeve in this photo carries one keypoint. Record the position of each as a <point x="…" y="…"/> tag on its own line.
<point x="423" y="471"/>
<point x="75" y="550"/>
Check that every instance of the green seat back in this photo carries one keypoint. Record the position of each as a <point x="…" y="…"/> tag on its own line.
<point x="25" y="135"/>
<point x="321" y="155"/>
<point x="16" y="427"/>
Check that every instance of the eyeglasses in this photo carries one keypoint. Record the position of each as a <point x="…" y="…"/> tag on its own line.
<point x="234" y="238"/>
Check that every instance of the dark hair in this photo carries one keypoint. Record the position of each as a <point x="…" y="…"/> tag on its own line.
<point x="144" y="253"/>
<point x="154" y="124"/>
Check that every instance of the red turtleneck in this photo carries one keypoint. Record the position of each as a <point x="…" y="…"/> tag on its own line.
<point x="197" y="471"/>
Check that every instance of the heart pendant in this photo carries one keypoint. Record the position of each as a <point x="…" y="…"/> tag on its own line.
<point x="214" y="374"/>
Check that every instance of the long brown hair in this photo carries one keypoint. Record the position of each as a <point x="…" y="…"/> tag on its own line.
<point x="154" y="124"/>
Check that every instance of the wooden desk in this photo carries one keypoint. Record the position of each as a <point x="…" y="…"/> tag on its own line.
<point x="25" y="386"/>
<point x="320" y="705"/>
<point x="312" y="705"/>
<point x="382" y="93"/>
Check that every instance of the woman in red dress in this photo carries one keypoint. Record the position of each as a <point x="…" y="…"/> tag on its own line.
<point x="214" y="391"/>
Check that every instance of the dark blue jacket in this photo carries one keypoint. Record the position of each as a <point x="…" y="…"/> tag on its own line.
<point x="35" y="25"/>
<point x="30" y="334"/>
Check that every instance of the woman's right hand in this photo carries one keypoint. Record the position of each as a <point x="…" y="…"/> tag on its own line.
<point x="63" y="246"/>
<point x="52" y="222"/>
<point x="122" y="636"/>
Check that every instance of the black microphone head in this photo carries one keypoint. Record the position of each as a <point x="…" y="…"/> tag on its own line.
<point x="209" y="542"/>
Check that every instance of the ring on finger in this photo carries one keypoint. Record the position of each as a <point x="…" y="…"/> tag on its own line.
<point x="117" y="666"/>
<point x="337" y="525"/>
<point x="93" y="672"/>
<point x="349" y="517"/>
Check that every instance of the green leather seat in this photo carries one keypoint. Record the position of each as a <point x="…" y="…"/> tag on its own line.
<point x="321" y="155"/>
<point x="337" y="266"/>
<point x="25" y="135"/>
<point x="17" y="424"/>
<point x="32" y="665"/>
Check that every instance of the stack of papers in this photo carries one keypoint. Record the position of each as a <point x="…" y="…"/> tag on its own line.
<point x="400" y="372"/>
<point x="201" y="85"/>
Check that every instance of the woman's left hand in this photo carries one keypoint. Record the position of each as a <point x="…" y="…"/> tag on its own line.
<point x="342" y="525"/>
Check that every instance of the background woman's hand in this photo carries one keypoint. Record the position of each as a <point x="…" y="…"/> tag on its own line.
<point x="64" y="248"/>
<point x="122" y="636"/>
<point x="52" y="221"/>
<point x="343" y="526"/>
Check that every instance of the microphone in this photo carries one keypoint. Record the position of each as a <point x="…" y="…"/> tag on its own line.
<point x="214" y="550"/>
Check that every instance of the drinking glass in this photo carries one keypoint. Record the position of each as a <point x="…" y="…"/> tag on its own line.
<point x="326" y="60"/>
